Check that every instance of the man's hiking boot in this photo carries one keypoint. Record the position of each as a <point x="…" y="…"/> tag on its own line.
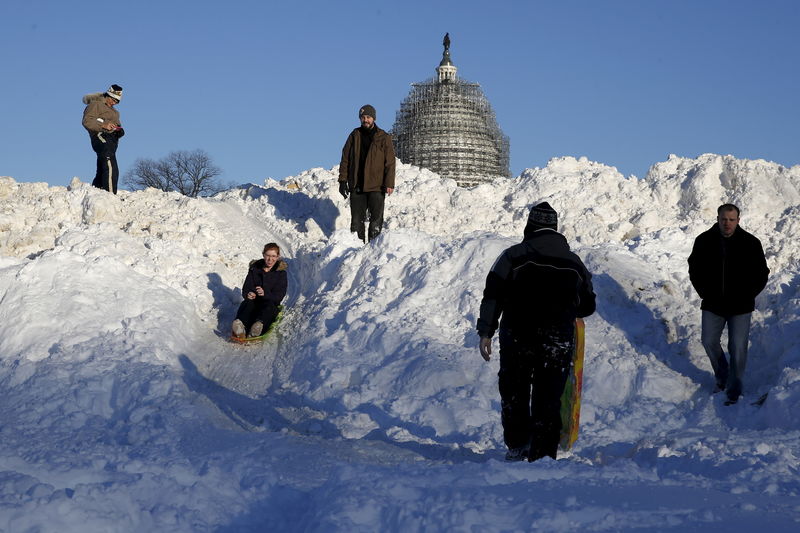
<point x="238" y="329"/>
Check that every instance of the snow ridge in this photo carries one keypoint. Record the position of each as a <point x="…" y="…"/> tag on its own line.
<point x="125" y="409"/>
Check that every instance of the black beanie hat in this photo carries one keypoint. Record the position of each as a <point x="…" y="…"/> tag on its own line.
<point x="543" y="216"/>
<point x="367" y="110"/>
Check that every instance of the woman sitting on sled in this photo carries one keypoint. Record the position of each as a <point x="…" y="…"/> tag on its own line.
<point x="263" y="289"/>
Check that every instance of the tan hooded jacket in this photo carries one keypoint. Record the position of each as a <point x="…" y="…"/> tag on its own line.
<point x="380" y="164"/>
<point x="98" y="113"/>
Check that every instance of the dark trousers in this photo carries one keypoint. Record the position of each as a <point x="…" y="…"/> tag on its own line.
<point x="534" y="368"/>
<point x="107" y="175"/>
<point x="251" y="311"/>
<point x="362" y="203"/>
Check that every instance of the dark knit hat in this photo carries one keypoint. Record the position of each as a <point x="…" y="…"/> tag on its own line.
<point x="543" y="216"/>
<point x="115" y="92"/>
<point x="367" y="110"/>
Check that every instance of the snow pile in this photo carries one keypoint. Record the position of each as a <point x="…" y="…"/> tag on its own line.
<point x="125" y="409"/>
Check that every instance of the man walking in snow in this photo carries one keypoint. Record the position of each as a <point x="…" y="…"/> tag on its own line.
<point x="539" y="287"/>
<point x="366" y="173"/>
<point x="101" y="120"/>
<point x="728" y="270"/>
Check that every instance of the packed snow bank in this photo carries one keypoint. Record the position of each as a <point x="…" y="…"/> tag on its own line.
<point x="125" y="409"/>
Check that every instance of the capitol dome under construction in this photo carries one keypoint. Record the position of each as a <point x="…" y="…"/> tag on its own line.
<point x="447" y="125"/>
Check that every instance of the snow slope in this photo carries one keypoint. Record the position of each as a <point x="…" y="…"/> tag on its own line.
<point x="125" y="409"/>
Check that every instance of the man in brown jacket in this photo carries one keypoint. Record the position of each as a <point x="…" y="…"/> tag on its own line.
<point x="101" y="120"/>
<point x="366" y="173"/>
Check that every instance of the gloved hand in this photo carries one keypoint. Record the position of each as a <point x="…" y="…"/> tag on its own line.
<point x="119" y="132"/>
<point x="344" y="189"/>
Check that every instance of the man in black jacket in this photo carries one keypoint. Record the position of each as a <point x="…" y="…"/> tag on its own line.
<point x="728" y="270"/>
<point x="539" y="287"/>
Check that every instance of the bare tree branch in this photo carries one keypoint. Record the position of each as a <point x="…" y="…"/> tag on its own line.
<point x="189" y="173"/>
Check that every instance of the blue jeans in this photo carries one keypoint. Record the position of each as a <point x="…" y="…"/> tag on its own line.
<point x="727" y="375"/>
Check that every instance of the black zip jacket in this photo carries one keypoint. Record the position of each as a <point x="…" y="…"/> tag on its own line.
<point x="537" y="282"/>
<point x="728" y="273"/>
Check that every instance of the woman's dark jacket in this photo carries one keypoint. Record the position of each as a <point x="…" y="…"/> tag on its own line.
<point x="274" y="282"/>
<point x="728" y="273"/>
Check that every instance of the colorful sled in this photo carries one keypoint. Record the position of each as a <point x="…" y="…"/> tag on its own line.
<point x="260" y="338"/>
<point x="571" y="397"/>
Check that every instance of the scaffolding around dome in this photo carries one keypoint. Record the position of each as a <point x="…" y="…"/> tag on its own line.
<point x="447" y="125"/>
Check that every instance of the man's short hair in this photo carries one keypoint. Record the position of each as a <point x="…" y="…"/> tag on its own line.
<point x="728" y="207"/>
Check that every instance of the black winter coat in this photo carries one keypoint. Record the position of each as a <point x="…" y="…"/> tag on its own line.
<point x="537" y="282"/>
<point x="728" y="273"/>
<point x="274" y="281"/>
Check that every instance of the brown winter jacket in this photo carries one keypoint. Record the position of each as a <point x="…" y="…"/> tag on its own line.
<point x="96" y="108"/>
<point x="379" y="167"/>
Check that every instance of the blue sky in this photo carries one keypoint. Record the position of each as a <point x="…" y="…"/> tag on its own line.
<point x="270" y="89"/>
